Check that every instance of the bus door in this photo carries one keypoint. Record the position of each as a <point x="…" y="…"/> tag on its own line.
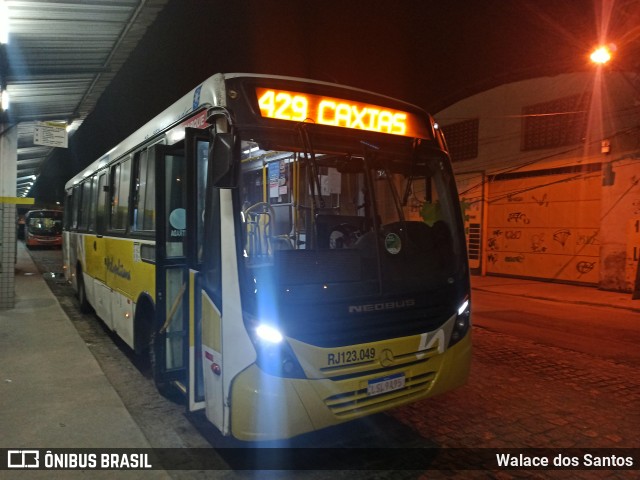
<point x="196" y="147"/>
<point x="172" y="279"/>
<point x="222" y="347"/>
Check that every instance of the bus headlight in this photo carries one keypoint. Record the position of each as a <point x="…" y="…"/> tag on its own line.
<point x="269" y="334"/>
<point x="462" y="322"/>
<point x="274" y="354"/>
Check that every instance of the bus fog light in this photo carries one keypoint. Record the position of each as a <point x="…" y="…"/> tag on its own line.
<point x="288" y="367"/>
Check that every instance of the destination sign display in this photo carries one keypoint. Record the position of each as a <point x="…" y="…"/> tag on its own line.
<point x="337" y="112"/>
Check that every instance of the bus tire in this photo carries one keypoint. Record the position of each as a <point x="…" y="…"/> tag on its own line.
<point x="148" y="342"/>
<point x="85" y="306"/>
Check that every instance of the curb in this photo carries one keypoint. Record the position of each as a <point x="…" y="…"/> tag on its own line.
<point x="563" y="300"/>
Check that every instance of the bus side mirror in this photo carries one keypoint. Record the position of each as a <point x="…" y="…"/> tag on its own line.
<point x="224" y="171"/>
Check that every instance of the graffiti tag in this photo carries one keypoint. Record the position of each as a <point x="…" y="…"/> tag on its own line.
<point x="518" y="217"/>
<point x="587" y="239"/>
<point x="585" y="267"/>
<point x="537" y="243"/>
<point x="561" y="236"/>
<point x="544" y="202"/>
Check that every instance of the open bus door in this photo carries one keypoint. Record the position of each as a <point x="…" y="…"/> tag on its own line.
<point x="181" y="175"/>
<point x="189" y="266"/>
<point x="196" y="149"/>
<point x="208" y="386"/>
<point x="172" y="279"/>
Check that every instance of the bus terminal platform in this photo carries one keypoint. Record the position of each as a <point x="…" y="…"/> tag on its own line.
<point x="53" y="393"/>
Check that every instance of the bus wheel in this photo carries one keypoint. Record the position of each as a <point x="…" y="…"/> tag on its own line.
<point x="85" y="306"/>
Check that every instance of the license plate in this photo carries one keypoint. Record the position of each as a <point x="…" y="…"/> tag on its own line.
<point x="378" y="386"/>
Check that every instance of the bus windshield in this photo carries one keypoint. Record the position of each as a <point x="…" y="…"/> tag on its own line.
<point x="321" y="225"/>
<point x="44" y="223"/>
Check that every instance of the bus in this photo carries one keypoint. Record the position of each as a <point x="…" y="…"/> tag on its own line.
<point x="289" y="253"/>
<point x="43" y="228"/>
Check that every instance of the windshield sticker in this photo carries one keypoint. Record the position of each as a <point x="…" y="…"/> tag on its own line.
<point x="178" y="222"/>
<point x="392" y="243"/>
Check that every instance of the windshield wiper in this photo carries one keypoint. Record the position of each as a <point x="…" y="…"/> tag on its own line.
<point x="310" y="155"/>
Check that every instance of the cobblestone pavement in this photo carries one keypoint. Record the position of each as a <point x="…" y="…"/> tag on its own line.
<point x="524" y="395"/>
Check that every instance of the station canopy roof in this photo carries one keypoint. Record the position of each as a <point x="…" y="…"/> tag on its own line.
<point x="60" y="57"/>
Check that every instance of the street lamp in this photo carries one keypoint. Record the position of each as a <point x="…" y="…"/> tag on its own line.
<point x="602" y="54"/>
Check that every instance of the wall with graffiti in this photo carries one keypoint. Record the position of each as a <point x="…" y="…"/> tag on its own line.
<point x="535" y="228"/>
<point x="548" y="171"/>
<point x="620" y="225"/>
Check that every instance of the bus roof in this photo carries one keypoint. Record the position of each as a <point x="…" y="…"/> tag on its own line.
<point x="209" y="93"/>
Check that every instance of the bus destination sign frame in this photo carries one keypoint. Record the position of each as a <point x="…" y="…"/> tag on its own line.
<point x="338" y="112"/>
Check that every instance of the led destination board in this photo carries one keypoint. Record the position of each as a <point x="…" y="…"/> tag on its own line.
<point x="337" y="112"/>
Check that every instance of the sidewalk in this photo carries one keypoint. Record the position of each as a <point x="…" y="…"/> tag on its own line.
<point x="53" y="393"/>
<point x="557" y="292"/>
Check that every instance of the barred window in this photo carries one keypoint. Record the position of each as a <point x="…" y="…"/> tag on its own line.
<point x="462" y="139"/>
<point x="556" y="123"/>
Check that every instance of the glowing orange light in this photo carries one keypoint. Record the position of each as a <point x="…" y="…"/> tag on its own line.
<point x="337" y="112"/>
<point x="601" y="55"/>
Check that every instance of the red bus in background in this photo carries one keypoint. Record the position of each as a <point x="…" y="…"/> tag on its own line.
<point x="43" y="228"/>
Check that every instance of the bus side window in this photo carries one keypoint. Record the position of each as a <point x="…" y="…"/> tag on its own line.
<point x="120" y="175"/>
<point x="79" y="206"/>
<point x="92" y="201"/>
<point x="212" y="254"/>
<point x="114" y="182"/>
<point x="77" y="201"/>
<point x="68" y="211"/>
<point x="201" y="175"/>
<point x="144" y="192"/>
<point x="101" y="203"/>
<point x="83" y="215"/>
<point x="175" y="205"/>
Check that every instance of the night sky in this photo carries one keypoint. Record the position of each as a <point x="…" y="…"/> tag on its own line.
<point x="425" y="52"/>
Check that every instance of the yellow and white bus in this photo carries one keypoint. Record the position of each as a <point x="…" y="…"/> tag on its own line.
<point x="290" y="253"/>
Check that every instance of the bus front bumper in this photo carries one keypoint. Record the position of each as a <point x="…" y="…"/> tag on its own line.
<point x="265" y="407"/>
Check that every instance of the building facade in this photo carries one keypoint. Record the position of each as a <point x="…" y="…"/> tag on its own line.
<point x="548" y="171"/>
